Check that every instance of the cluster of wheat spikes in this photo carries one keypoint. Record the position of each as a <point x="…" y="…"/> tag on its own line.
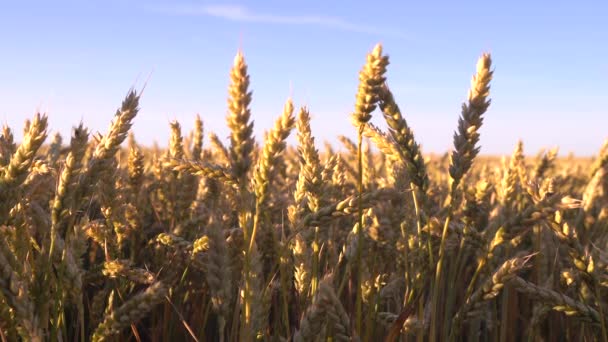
<point x="239" y="242"/>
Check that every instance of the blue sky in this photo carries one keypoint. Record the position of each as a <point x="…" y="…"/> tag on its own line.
<point x="76" y="60"/>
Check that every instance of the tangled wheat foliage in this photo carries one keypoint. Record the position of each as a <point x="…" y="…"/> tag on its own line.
<point x="251" y="239"/>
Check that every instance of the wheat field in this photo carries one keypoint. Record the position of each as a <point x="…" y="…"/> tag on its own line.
<point x="105" y="241"/>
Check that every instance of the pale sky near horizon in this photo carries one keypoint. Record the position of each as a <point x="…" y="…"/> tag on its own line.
<point x="76" y="60"/>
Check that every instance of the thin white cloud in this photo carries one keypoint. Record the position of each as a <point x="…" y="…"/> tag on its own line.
<point x="239" y="13"/>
